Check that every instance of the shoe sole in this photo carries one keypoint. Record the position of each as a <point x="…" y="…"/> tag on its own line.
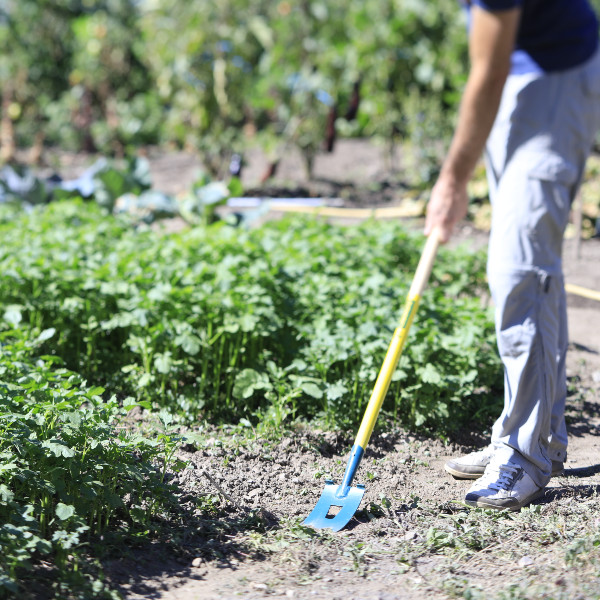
<point x="487" y="504"/>
<point x="464" y="475"/>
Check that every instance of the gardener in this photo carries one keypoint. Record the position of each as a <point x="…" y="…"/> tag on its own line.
<point x="533" y="93"/>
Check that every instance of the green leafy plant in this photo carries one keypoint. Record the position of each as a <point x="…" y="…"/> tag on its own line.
<point x="212" y="315"/>
<point x="66" y="474"/>
<point x="237" y="74"/>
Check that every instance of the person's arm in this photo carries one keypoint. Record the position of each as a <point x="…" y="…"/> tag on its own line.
<point x="491" y="42"/>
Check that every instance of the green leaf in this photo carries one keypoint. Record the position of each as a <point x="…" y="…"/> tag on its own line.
<point x="6" y="495"/>
<point x="336" y="390"/>
<point x="58" y="448"/>
<point x="430" y="374"/>
<point x="46" y="335"/>
<point x="74" y="418"/>
<point x="249" y="381"/>
<point x="189" y="343"/>
<point x="64" y="511"/>
<point x="95" y="391"/>
<point x="312" y="389"/>
<point x="163" y="363"/>
<point x="13" y="316"/>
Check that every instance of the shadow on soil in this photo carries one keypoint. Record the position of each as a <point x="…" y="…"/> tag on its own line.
<point x="376" y="193"/>
<point x="582" y="428"/>
<point x="582" y="415"/>
<point x="583" y="348"/>
<point x="183" y="552"/>
<point x="582" y="471"/>
<point x="571" y="491"/>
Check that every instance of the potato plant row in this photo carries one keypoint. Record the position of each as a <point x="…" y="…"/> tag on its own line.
<point x="220" y="322"/>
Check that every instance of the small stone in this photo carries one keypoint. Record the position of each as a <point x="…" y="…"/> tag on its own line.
<point x="197" y="562"/>
<point x="259" y="586"/>
<point x="253" y="493"/>
<point x="290" y="593"/>
<point x="596" y="376"/>
<point x="526" y="561"/>
<point x="410" y="535"/>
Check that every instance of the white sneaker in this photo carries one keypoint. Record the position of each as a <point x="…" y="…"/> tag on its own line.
<point x="470" y="466"/>
<point x="504" y="486"/>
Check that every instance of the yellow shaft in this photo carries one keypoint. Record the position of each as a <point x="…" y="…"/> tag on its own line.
<point x="398" y="340"/>
<point x="387" y="370"/>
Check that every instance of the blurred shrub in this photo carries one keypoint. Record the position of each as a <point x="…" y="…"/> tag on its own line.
<point x="218" y="76"/>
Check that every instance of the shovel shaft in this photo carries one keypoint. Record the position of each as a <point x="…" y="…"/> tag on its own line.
<point x="351" y="468"/>
<point x="385" y="374"/>
<point x="397" y="344"/>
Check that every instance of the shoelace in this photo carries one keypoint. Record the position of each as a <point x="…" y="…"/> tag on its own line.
<point x="505" y="477"/>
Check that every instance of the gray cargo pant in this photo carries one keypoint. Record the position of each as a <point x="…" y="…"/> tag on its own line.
<point x="535" y="159"/>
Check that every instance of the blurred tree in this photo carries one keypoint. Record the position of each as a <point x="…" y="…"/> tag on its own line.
<point x="205" y="61"/>
<point x="111" y="91"/>
<point x="215" y="76"/>
<point x="285" y="73"/>
<point x="36" y="45"/>
<point x="73" y="72"/>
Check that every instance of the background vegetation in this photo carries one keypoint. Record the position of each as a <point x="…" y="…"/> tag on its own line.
<point x="218" y="76"/>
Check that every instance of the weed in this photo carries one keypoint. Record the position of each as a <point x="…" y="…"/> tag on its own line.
<point x="359" y="553"/>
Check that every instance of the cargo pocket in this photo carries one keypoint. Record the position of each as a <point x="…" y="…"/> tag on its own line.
<point x="553" y="183"/>
<point x="552" y="167"/>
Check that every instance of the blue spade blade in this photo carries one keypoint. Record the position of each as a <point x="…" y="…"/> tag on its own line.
<point x="334" y="510"/>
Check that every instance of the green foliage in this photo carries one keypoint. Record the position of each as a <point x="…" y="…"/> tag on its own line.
<point x="36" y="44"/>
<point x="74" y="75"/>
<point x="200" y="320"/>
<point x="66" y="474"/>
<point x="289" y="321"/>
<point x="231" y="74"/>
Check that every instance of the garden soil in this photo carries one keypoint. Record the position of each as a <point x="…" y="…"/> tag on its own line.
<point x="266" y="486"/>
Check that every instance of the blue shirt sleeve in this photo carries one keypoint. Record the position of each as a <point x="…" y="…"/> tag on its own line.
<point x="497" y="4"/>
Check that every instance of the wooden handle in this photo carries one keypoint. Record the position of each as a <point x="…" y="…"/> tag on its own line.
<point x="425" y="264"/>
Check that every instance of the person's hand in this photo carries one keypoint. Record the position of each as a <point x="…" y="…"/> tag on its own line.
<point x="447" y="206"/>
